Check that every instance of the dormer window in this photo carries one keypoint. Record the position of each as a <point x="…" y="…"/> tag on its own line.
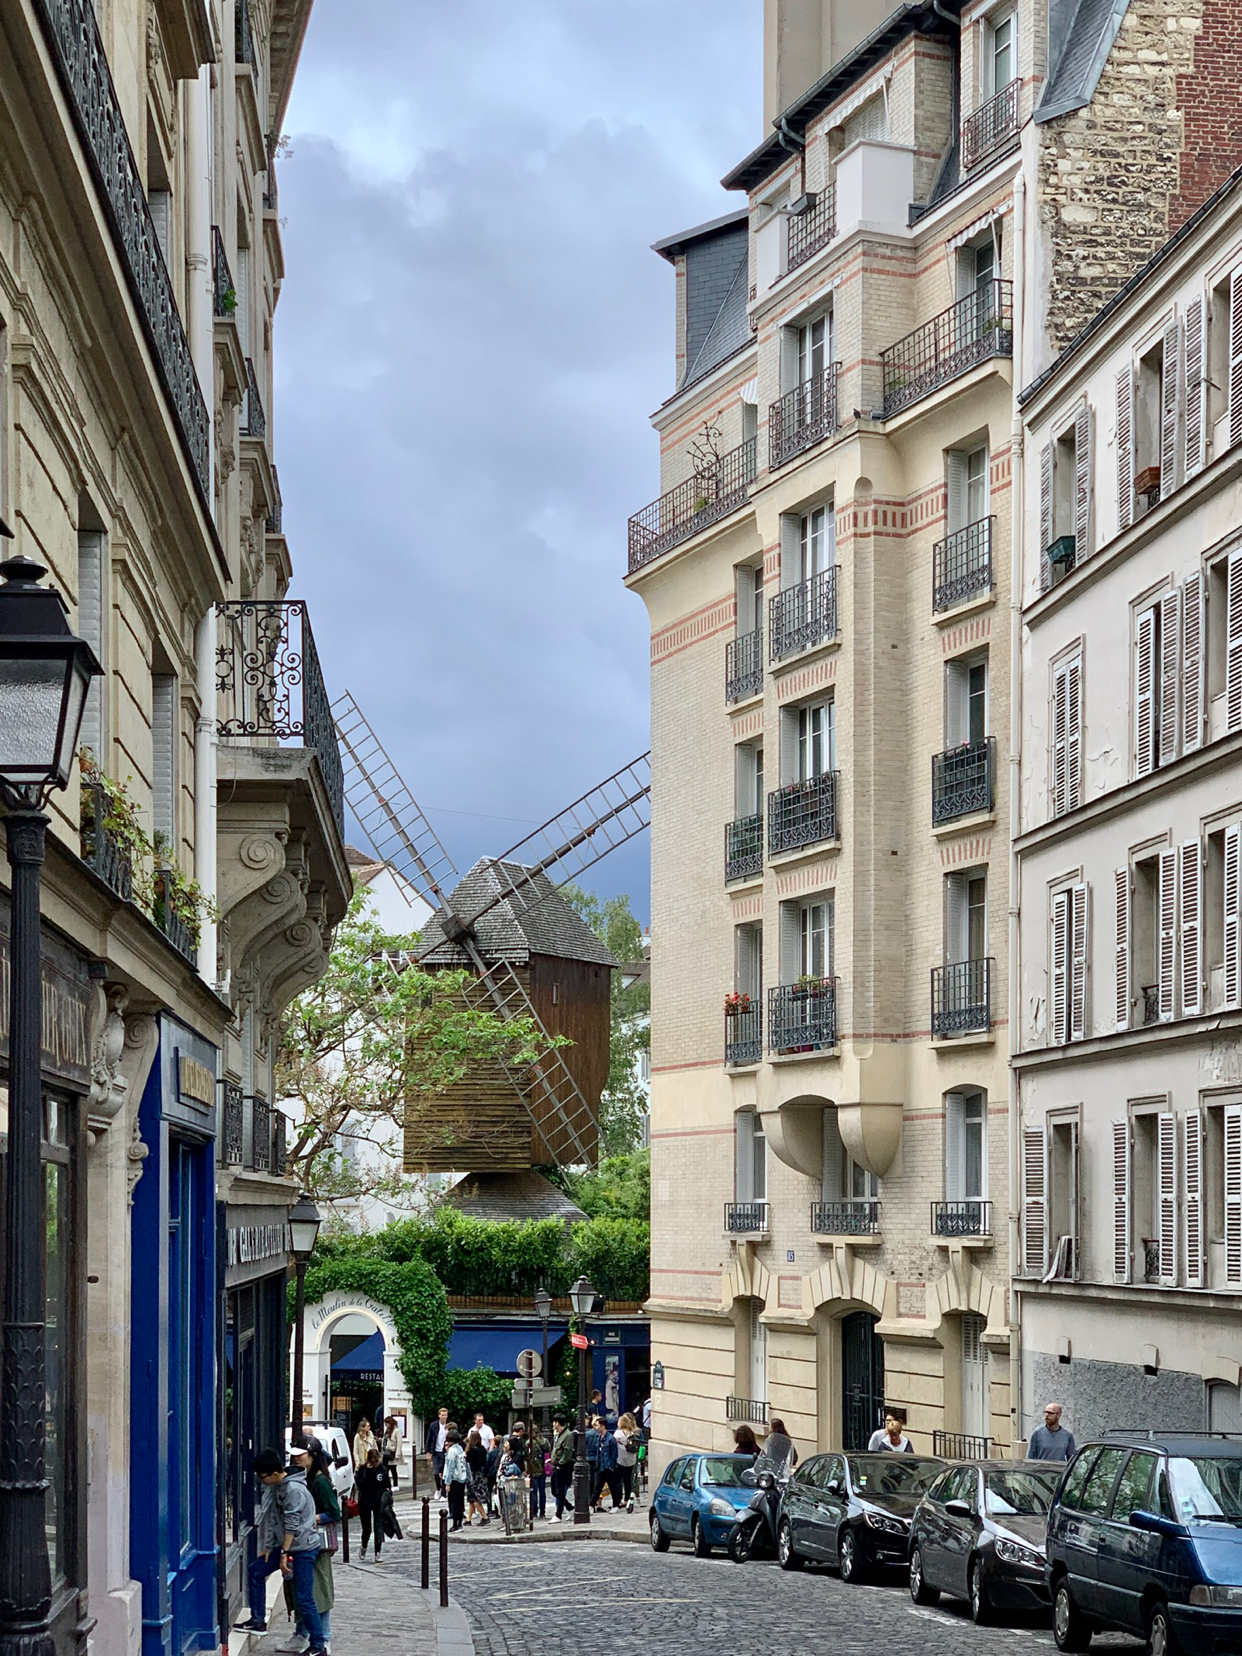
<point x="999" y="60"/>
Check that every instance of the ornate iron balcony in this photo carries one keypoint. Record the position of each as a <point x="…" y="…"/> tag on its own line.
<point x="963" y="780"/>
<point x="269" y="683"/>
<point x="803" y="615"/>
<point x="260" y="1134"/>
<point x="696" y="504"/>
<point x="810" y="231"/>
<point x="243" y="34"/>
<point x="961" y="996"/>
<point x="961" y="1446"/>
<point x="803" y="417"/>
<point x="802" y="1017"/>
<point x="234" y="1124"/>
<point x="743" y="1034"/>
<point x="77" y="50"/>
<point x="280" y="1146"/>
<point x="101" y="850"/>
<point x="855" y="1216"/>
<point x="744" y="847"/>
<point x="969" y="1218"/>
<point x="744" y="666"/>
<point x="172" y="922"/>
<point x="978" y="327"/>
<point x="254" y="420"/>
<point x="746" y="1217"/>
<point x="747" y="1408"/>
<point x="224" y="294"/>
<point x="802" y="813"/>
<point x="992" y="123"/>
<point x="962" y="565"/>
<point x="275" y="524"/>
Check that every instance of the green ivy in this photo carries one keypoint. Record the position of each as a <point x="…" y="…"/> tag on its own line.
<point x="465" y="1391"/>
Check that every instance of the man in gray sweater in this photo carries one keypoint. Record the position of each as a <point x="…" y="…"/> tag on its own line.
<point x="289" y="1540"/>
<point x="1051" y="1441"/>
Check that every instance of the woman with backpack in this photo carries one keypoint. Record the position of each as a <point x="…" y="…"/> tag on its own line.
<point x="312" y="1460"/>
<point x="629" y="1441"/>
<point x="456" y="1476"/>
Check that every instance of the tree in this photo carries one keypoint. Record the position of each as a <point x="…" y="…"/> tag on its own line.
<point x="624" y="1101"/>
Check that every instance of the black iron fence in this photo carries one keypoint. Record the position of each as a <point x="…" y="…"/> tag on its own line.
<point x="991" y="125"/>
<point x="963" y="779"/>
<point x="243" y="33"/>
<point x="968" y="1218"/>
<point x="802" y="1016"/>
<point x="815" y="228"/>
<point x="101" y="850"/>
<point x="280" y="1143"/>
<point x="803" y="416"/>
<point x="169" y="914"/>
<point x="224" y="294"/>
<point x="961" y="1446"/>
<point x="852" y="1216"/>
<point x="743" y="1033"/>
<point x="748" y="1409"/>
<point x="260" y="1134"/>
<point x="978" y="327"/>
<point x="744" y="847"/>
<point x="254" y="418"/>
<point x="802" y="813"/>
<point x="712" y="493"/>
<point x="962" y="565"/>
<point x="961" y="997"/>
<point x="746" y="1216"/>
<point x="744" y="665"/>
<point x="234" y="1133"/>
<point x="804" y="615"/>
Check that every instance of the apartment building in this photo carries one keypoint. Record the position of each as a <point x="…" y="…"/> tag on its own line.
<point x="196" y="871"/>
<point x="1130" y="1267"/>
<point x="828" y="579"/>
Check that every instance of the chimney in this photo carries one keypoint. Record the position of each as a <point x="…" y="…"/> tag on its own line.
<point x="802" y="39"/>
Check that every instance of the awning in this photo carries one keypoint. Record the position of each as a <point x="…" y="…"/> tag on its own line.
<point x="367" y="1354"/>
<point x="496" y="1345"/>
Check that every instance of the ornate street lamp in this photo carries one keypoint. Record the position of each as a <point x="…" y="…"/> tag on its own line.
<point x="582" y="1298"/>
<point x="44" y="675"/>
<point x="304" y="1222"/>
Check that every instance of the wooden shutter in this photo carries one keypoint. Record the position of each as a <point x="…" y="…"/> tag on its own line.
<point x="1235" y="359"/>
<point x="1076" y="1194"/>
<point x="954" y="1148"/>
<point x="1058" y="781"/>
<point x="1233" y="1194"/>
<point x="1170" y="675"/>
<point x="91" y="628"/>
<point x="1073" y="733"/>
<point x="1190" y="931"/>
<point x="1059" y="1001"/>
<point x="1192" y="1208"/>
<point x="1168" y="936"/>
<point x="1166" y="1156"/>
<point x="1045" y="516"/>
<point x="1233" y="644"/>
<point x="1034" y="1201"/>
<point x="791" y="942"/>
<point x="163" y="755"/>
<point x="1123" y="948"/>
<point x="1121" y="1201"/>
<point x="1170" y="406"/>
<point x="1125" y="447"/>
<point x="1145" y="693"/>
<point x="1084" y="477"/>
<point x="1196" y="389"/>
<point x="1193" y="665"/>
<point x="1078" y="964"/>
<point x="1233" y="919"/>
<point x="955" y="463"/>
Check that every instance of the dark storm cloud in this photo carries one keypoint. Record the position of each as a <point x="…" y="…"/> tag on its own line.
<point x="471" y="337"/>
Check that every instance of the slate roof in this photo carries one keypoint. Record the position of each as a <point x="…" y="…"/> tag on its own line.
<point x="1081" y="35"/>
<point x="543" y="924"/>
<point x="729" y="332"/>
<point x="520" y="1196"/>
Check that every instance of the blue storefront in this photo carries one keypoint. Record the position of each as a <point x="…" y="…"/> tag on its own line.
<point x="173" y="1550"/>
<point x="621" y="1361"/>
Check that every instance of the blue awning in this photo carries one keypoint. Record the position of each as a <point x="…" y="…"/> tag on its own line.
<point x="367" y="1354"/>
<point x="496" y="1345"/>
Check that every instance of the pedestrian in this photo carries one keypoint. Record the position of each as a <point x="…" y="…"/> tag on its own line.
<point x="486" y="1436"/>
<point x="515" y="1448"/>
<point x="538" y="1461"/>
<point x="364" y="1442"/>
<point x="890" y="1436"/>
<point x="437" y="1443"/>
<point x="745" y="1442"/>
<point x="1051" y="1441"/>
<point x="778" y="1446"/>
<point x="494" y="1457"/>
<point x="313" y="1462"/>
<point x="371" y="1482"/>
<point x="476" y="1485"/>
<point x="592" y="1457"/>
<point x="289" y="1540"/>
<point x="562" y="1464"/>
<point x="646" y="1417"/>
<point x="609" y="1474"/>
<point x="392" y="1449"/>
<point x="629" y="1442"/>
<point x="456" y="1474"/>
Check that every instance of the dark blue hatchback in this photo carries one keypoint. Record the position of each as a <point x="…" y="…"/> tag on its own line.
<point x="1145" y="1537"/>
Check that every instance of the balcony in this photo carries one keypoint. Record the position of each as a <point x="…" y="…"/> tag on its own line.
<point x="234" y="1135"/>
<point x="953" y="1219"/>
<point x="803" y="417"/>
<point x="746" y="1218"/>
<point x="696" y="504"/>
<point x="802" y="1017"/>
<point x="963" y="780"/>
<point x="243" y="34"/>
<point x="743" y="1031"/>
<point x="962" y="565"/>
<point x="961" y="1446"/>
<point x="254" y="420"/>
<point x="851" y="1217"/>
<point x="176" y="919"/>
<point x="744" y="666"/>
<point x="744" y="847"/>
<point x="748" y="1409"/>
<point x="991" y="125"/>
<point x="101" y="848"/>
<point x="280" y="1144"/>
<point x="223" y="293"/>
<point x="961" y="996"/>
<point x="802" y="813"/>
<point x="815" y="228"/>
<point x="260" y="1134"/>
<point x="803" y="615"/>
<point x="977" y="328"/>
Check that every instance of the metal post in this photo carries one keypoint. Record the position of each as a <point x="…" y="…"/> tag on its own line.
<point x="425" y="1583"/>
<point x="344" y="1534"/>
<point x="297" y="1434"/>
<point x="25" y="1573"/>
<point x="582" y="1469"/>
<point x="444" y="1544"/>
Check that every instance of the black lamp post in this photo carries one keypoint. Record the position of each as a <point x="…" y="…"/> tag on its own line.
<point x="45" y="672"/>
<point x="303" y="1229"/>
<point x="543" y="1310"/>
<point x="582" y="1298"/>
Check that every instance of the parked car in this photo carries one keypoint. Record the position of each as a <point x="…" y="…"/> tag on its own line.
<point x="698" y="1500"/>
<point x="1145" y="1537"/>
<point x="336" y="1447"/>
<point x="978" y="1534"/>
<point x="853" y="1511"/>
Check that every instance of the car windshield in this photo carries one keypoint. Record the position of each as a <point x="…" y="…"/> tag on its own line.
<point x="1206" y="1489"/>
<point x="724" y="1470"/>
<point x="1020" y="1494"/>
<point x="892" y="1474"/>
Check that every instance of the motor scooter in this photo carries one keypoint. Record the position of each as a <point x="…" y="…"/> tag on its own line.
<point x="754" y="1533"/>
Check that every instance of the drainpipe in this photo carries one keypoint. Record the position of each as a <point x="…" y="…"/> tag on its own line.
<point x="796" y="146"/>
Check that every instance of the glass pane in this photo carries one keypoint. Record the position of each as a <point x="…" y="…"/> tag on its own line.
<point x="972" y="1151"/>
<point x="976" y="485"/>
<point x="32" y="692"/>
<point x="760" y="1164"/>
<point x="56" y="1235"/>
<point x="1134" y="1487"/>
<point x="1099" y="1489"/>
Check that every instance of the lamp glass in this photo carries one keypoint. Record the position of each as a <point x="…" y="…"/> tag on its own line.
<point x="543" y="1304"/>
<point x="76" y="685"/>
<point x="304" y="1221"/>
<point x="582" y="1296"/>
<point x="32" y="696"/>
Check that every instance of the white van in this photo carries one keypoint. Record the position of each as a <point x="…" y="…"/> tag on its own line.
<point x="335" y="1445"/>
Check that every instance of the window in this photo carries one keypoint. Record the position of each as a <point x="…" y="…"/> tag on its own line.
<point x="1063" y="1199"/>
<point x="844" y="1179"/>
<point x="752" y="1158"/>
<point x="749" y="779"/>
<point x="1145" y="1197"/>
<point x="1066" y="475"/>
<point x="998" y="68"/>
<point x="815" y="924"/>
<point x="163" y="757"/>
<point x="687" y="1473"/>
<point x="1219" y="1140"/>
<point x="815" y="750"/>
<point x="1067" y="952"/>
<point x="159" y="195"/>
<point x="1224" y="403"/>
<point x="1097" y="1492"/>
<point x="1076" y="1480"/>
<point x="816" y="542"/>
<point x="242" y="314"/>
<point x="758" y="1343"/>
<point x="966" y="916"/>
<point x="1134" y="1487"/>
<point x="91" y="609"/>
<point x="1224" y="653"/>
<point x="1149" y="426"/>
<point x="965" y="1146"/>
<point x="966" y="701"/>
<point x="1065" y="779"/>
<point x="806" y="351"/>
<point x="748" y="942"/>
<point x="749" y="597"/>
<point x="966" y="487"/>
<point x="1160" y="937"/>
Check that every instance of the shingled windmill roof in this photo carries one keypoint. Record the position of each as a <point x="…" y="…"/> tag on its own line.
<point x="542" y="923"/>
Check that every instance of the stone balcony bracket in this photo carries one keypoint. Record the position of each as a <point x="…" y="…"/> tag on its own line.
<point x="871" y="1132"/>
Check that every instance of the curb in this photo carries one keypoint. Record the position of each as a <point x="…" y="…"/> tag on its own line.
<point x="453" y="1635"/>
<point x="581" y="1532"/>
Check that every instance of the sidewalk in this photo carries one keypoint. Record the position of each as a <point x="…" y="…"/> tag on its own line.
<point x="605" y="1526"/>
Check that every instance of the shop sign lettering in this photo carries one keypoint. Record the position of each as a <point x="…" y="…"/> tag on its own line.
<point x="248" y="1244"/>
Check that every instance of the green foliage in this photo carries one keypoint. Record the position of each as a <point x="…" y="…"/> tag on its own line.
<point x="615" y="1254"/>
<point x="157" y="881"/>
<point x="619" y="1188"/>
<point x="465" y="1391"/>
<point x="413" y="1293"/>
<point x="624" y="1102"/>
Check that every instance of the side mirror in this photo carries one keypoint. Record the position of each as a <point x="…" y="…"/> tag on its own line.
<point x="834" y="1487"/>
<point x="1154" y="1524"/>
<point x="748" y="1477"/>
<point x="339" y="1460"/>
<point x="959" y="1509"/>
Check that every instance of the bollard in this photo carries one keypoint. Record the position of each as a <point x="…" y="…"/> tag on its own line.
<point x="344" y="1534"/>
<point x="426" y="1581"/>
<point x="444" y="1561"/>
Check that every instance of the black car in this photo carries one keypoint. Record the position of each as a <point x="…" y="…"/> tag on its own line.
<point x="978" y="1534"/>
<point x="853" y="1511"/>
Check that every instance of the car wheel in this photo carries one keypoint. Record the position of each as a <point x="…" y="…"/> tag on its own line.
<point x="920" y="1592"/>
<point x="698" y="1541"/>
<point x="789" y="1559"/>
<point x="1161" y="1639"/>
<point x="848" y="1562"/>
<point x="980" y="1603"/>
<point x="659" y="1541"/>
<point x="1068" y="1627"/>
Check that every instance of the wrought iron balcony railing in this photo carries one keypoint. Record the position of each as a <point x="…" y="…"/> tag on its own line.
<point x="169" y="917"/>
<point x="963" y="780"/>
<point x="810" y="231"/>
<point x="101" y="850"/>
<point x="961" y="998"/>
<point x="969" y="1218"/>
<point x="234" y="1124"/>
<point x="744" y="847"/>
<point x="743" y="1034"/>
<point x="746" y="1217"/>
<point x="804" y="615"/>
<point x="744" y="665"/>
<point x="224" y="294"/>
<point x="990" y="126"/>
<point x="802" y="1017"/>
<point x="254" y="419"/>
<point x="962" y="565"/>
<point x="77" y="49"/>
<point x="802" y="813"/>
<point x="269" y="684"/>
<point x="280" y="1143"/>
<point x="260" y="1134"/>
<point x="243" y="34"/>
<point x="275" y="524"/>
<point x="748" y="1409"/>
<point x="961" y="1446"/>
<point x="803" y="417"/>
<point x="977" y="328"/>
<point x="853" y="1216"/>
<point x="696" y="504"/>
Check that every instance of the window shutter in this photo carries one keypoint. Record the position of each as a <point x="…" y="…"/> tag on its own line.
<point x="791" y="942"/>
<point x="956" y="918"/>
<point x="1196" y="389"/>
<point x="1121" y="1201"/>
<point x="1060" y="966"/>
<point x="1192" y="1210"/>
<point x="956" y="485"/>
<point x="954" y="1149"/>
<point x="1045" y="516"/>
<point x="163" y="766"/>
<point x="1125" y="447"/>
<point x="1168" y="936"/>
<point x="1034" y="1202"/>
<point x="1166" y="1144"/>
<point x="745" y="1172"/>
<point x="1193" y="662"/>
<point x="834" y="1186"/>
<point x="1083" y="478"/>
<point x="1170" y="403"/>
<point x="1060" y="713"/>
<point x="1233" y="1190"/>
<point x="90" y="626"/>
<point x="1123" y="948"/>
<point x="1170" y="676"/>
<point x="1144" y="692"/>
<point x="1078" y="964"/>
<point x="1076" y="1193"/>
<point x="1073" y="733"/>
<point x="1233" y="920"/>
<point x="1190" y="934"/>
<point x="1233" y="644"/>
<point x="1235" y="359"/>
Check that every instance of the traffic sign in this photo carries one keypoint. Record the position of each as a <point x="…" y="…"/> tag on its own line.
<point x="579" y="1342"/>
<point x="529" y="1364"/>
<point x="536" y="1397"/>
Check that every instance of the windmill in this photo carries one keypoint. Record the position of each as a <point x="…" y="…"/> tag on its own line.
<point x="523" y="878"/>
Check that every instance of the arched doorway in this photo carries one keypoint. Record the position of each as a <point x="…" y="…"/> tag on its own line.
<point x="862" y="1378"/>
<point x="355" y="1373"/>
<point x="1224" y="1408"/>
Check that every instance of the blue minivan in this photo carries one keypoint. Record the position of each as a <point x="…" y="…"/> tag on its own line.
<point x="1145" y="1537"/>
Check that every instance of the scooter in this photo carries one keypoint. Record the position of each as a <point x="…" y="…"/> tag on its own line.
<point x="754" y="1533"/>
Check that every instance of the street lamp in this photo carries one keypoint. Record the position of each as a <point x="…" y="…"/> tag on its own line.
<point x="543" y="1310"/>
<point x="303" y="1229"/>
<point x="45" y="672"/>
<point x="582" y="1298"/>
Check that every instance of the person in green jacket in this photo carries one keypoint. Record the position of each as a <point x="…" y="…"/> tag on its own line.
<point x="562" y="1463"/>
<point x="311" y="1458"/>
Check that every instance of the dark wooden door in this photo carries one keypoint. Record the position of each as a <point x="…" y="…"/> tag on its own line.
<point x="862" y="1378"/>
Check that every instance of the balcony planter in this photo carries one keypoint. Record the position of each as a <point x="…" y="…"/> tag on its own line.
<point x="1061" y="553"/>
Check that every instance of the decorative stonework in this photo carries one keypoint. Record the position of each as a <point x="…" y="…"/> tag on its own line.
<point x="141" y="1039"/>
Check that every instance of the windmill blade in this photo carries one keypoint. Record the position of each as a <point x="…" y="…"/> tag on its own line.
<point x="388" y="814"/>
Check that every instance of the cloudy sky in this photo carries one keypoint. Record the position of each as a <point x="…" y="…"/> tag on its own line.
<point x="471" y="337"/>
